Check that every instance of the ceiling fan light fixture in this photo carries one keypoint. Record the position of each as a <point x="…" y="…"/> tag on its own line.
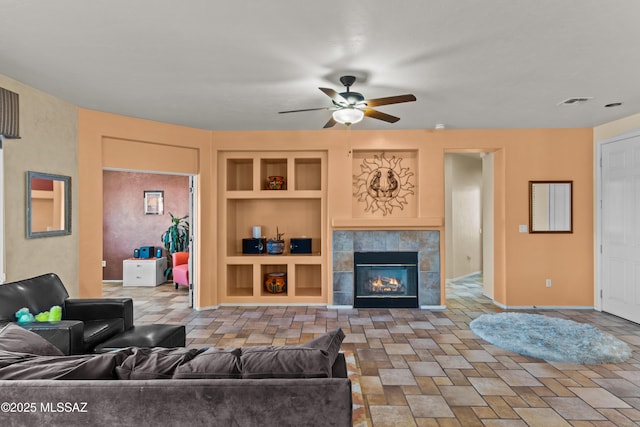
<point x="348" y="116"/>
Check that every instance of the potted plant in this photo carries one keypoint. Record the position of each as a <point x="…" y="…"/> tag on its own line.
<point x="176" y="237"/>
<point x="275" y="245"/>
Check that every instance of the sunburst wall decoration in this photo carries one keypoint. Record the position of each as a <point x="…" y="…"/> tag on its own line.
<point x="383" y="184"/>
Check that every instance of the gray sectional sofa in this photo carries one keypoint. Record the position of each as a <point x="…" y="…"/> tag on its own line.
<point x="250" y="386"/>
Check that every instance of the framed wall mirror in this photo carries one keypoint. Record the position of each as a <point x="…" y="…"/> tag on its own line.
<point x="48" y="205"/>
<point x="550" y="206"/>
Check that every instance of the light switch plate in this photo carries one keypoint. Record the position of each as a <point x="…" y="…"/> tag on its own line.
<point x="522" y="228"/>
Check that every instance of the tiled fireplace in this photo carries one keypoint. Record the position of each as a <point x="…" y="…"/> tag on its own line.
<point x="426" y="243"/>
<point x="386" y="279"/>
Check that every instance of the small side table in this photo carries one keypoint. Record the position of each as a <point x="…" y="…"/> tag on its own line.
<point x="143" y="272"/>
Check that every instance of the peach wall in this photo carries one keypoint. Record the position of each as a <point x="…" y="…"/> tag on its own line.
<point x="522" y="261"/>
<point x="96" y="134"/>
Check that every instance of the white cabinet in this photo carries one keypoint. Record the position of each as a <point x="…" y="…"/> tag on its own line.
<point x="143" y="272"/>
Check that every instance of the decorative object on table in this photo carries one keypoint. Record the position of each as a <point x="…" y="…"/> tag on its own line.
<point x="136" y="253"/>
<point x="254" y="246"/>
<point x="550" y="338"/>
<point x="176" y="237"/>
<point x="54" y="314"/>
<point x="154" y="202"/>
<point x="275" y="283"/>
<point x="275" y="245"/>
<point x="300" y="245"/>
<point x="158" y="252"/>
<point x="256" y="232"/>
<point x="147" y="252"/>
<point x="24" y="316"/>
<point x="276" y="183"/>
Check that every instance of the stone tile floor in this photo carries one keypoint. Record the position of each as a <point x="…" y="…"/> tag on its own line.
<point x="426" y="368"/>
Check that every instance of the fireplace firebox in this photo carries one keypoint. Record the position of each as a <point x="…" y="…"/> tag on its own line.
<point x="386" y="279"/>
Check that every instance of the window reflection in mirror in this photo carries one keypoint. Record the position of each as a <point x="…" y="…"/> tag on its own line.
<point x="550" y="206"/>
<point x="48" y="205"/>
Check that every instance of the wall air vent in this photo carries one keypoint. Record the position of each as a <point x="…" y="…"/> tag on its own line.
<point x="9" y="117"/>
<point x="576" y="100"/>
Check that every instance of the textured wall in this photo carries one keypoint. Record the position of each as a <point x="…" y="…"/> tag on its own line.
<point x="125" y="226"/>
<point x="49" y="131"/>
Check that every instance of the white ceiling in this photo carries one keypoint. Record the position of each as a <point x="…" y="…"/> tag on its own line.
<point x="234" y="64"/>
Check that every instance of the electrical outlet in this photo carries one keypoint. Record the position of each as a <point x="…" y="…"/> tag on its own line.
<point x="104" y="263"/>
<point x="548" y="283"/>
<point x="523" y="228"/>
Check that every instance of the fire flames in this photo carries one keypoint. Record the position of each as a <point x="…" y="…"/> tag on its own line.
<point x="385" y="285"/>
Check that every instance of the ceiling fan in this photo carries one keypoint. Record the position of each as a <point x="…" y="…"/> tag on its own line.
<point x="351" y="107"/>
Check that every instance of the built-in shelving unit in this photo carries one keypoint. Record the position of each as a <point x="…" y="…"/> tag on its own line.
<point x="298" y="210"/>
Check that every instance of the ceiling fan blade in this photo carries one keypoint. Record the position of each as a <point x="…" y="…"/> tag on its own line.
<point x="375" y="114"/>
<point x="389" y="100"/>
<point x="331" y="123"/>
<point x="339" y="99"/>
<point x="306" y="109"/>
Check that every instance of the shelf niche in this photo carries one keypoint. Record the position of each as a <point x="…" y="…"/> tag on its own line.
<point x="298" y="210"/>
<point x="239" y="174"/>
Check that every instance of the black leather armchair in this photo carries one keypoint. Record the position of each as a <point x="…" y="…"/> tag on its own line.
<point x="85" y="323"/>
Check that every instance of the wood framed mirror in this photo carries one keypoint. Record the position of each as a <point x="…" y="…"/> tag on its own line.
<point x="550" y="206"/>
<point x="48" y="205"/>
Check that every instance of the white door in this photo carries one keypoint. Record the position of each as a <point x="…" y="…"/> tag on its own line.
<point x="193" y="222"/>
<point x="620" y="227"/>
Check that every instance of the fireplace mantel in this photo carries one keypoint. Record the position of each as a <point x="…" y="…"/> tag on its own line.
<point x="386" y="224"/>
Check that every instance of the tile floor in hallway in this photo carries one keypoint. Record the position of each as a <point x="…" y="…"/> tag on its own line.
<point x="426" y="368"/>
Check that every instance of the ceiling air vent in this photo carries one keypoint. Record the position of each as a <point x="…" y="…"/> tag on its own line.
<point x="576" y="100"/>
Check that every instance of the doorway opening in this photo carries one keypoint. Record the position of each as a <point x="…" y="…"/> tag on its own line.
<point x="131" y="227"/>
<point x="469" y="223"/>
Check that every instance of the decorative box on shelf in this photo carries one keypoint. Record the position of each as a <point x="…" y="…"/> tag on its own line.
<point x="300" y="245"/>
<point x="143" y="272"/>
<point x="254" y="246"/>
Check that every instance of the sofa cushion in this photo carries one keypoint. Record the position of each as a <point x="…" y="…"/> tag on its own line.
<point x="154" y="363"/>
<point x="284" y="362"/>
<point x="212" y="363"/>
<point x="329" y="342"/>
<point x="17" y="339"/>
<point x="22" y="366"/>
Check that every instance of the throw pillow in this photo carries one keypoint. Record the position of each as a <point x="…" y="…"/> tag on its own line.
<point x="284" y="362"/>
<point x="329" y="342"/>
<point x="17" y="339"/>
<point x="213" y="363"/>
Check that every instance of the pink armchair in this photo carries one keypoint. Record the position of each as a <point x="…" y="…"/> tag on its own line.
<point x="180" y="268"/>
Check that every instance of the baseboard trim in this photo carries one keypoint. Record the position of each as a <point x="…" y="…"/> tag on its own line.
<point x="464" y="276"/>
<point x="543" y="307"/>
<point x="340" y="307"/>
<point x="433" y="307"/>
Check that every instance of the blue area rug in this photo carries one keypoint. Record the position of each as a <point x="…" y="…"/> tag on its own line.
<point x="550" y="338"/>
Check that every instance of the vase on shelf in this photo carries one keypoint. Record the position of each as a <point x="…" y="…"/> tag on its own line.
<point x="275" y="245"/>
<point x="275" y="283"/>
<point x="275" y="183"/>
